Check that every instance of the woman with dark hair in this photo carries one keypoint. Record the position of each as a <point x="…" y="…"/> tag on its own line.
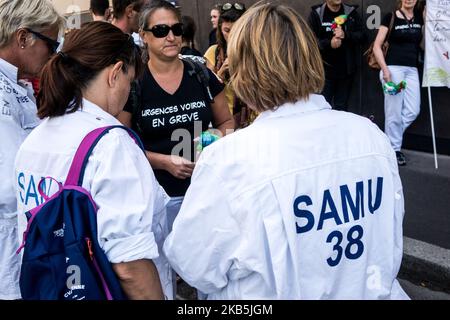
<point x="216" y="60"/>
<point x="216" y="55"/>
<point x="83" y="88"/>
<point x="28" y="38"/>
<point x="188" y="44"/>
<point x="400" y="64"/>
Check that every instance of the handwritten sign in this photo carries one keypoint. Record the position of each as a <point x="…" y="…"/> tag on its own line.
<point x="437" y="50"/>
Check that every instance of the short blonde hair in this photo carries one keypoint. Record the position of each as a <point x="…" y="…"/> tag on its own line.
<point x="33" y="14"/>
<point x="273" y="57"/>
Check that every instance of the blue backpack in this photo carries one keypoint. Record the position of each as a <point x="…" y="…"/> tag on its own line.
<point x="62" y="259"/>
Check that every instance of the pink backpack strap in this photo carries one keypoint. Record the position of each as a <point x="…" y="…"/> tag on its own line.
<point x="79" y="162"/>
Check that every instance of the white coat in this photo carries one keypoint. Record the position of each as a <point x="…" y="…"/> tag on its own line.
<point x="131" y="203"/>
<point x="306" y="203"/>
<point x="17" y="119"/>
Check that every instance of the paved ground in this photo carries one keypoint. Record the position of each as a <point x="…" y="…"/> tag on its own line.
<point x="422" y="292"/>
<point x="415" y="291"/>
<point x="427" y="198"/>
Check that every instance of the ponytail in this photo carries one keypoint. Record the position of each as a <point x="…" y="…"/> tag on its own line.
<point x="86" y="52"/>
<point x="61" y="83"/>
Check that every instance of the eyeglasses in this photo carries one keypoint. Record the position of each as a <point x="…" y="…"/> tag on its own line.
<point x="51" y="44"/>
<point x="162" y="30"/>
<point x="237" y="6"/>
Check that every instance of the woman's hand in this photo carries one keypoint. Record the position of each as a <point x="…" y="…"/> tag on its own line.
<point x="223" y="69"/>
<point x="387" y="75"/>
<point x="179" y="167"/>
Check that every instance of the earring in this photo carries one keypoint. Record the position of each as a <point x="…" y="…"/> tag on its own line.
<point x="23" y="47"/>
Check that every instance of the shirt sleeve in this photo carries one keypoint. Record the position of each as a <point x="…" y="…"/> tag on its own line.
<point x="355" y="34"/>
<point x="323" y="40"/>
<point x="210" y="55"/>
<point x="10" y="143"/>
<point x="205" y="235"/>
<point x="419" y="16"/>
<point x="387" y="20"/>
<point x="399" y="208"/>
<point x="126" y="192"/>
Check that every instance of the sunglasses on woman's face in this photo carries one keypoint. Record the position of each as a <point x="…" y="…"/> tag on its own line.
<point x="51" y="44"/>
<point x="162" y="30"/>
<point x="237" y="6"/>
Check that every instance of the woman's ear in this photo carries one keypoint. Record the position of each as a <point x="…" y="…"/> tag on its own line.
<point x="114" y="73"/>
<point x="21" y="38"/>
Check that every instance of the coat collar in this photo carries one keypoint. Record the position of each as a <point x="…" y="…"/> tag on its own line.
<point x="93" y="109"/>
<point x="9" y="70"/>
<point x="314" y="103"/>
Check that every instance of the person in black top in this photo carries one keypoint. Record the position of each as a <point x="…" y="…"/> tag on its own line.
<point x="400" y="64"/>
<point x="174" y="107"/>
<point x="188" y="45"/>
<point x="337" y="47"/>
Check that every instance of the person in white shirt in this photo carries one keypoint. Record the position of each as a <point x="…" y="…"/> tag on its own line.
<point x="28" y="33"/>
<point x="305" y="203"/>
<point x="83" y="88"/>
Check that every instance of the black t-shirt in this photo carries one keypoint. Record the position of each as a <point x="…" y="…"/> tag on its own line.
<point x="187" y="51"/>
<point x="162" y="113"/>
<point x="404" y="40"/>
<point x="335" y="61"/>
<point x="212" y="37"/>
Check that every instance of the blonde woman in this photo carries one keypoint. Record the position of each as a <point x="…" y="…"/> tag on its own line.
<point x="304" y="208"/>
<point x="28" y="37"/>
<point x="400" y="64"/>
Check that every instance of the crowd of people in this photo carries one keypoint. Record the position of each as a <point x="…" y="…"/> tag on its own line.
<point x="287" y="204"/>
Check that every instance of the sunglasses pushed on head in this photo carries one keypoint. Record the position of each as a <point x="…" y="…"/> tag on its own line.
<point x="237" y="6"/>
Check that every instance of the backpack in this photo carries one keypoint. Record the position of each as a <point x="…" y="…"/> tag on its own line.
<point x="62" y="259"/>
<point x="201" y="73"/>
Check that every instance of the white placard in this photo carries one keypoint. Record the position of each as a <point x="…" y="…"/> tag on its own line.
<point x="437" y="48"/>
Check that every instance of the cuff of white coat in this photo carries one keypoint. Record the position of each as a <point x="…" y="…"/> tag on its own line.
<point x="141" y="246"/>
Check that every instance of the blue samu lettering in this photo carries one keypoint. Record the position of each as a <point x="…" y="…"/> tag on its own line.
<point x="28" y="189"/>
<point x="352" y="206"/>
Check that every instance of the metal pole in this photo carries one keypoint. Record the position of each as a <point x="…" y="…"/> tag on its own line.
<point x="430" y="103"/>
